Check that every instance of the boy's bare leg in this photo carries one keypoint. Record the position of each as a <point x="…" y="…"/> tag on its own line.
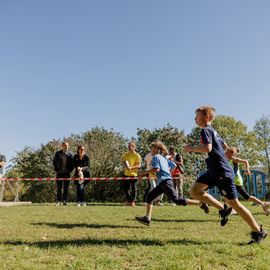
<point x="245" y="214"/>
<point x="197" y="192"/>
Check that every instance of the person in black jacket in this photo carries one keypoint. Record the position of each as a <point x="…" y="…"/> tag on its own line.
<point x="81" y="164"/>
<point x="63" y="166"/>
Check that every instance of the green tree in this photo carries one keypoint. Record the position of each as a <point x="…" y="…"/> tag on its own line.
<point x="262" y="130"/>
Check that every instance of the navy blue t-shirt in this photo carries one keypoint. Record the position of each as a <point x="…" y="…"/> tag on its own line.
<point x="217" y="164"/>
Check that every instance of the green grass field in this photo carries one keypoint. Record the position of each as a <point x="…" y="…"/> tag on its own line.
<point x="106" y="236"/>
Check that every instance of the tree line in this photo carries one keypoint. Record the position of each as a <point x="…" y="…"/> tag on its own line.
<point x="105" y="148"/>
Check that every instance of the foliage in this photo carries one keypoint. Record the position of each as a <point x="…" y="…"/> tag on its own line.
<point x="262" y="130"/>
<point x="104" y="149"/>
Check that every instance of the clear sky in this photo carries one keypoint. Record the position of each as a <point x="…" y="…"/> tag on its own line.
<point x="67" y="66"/>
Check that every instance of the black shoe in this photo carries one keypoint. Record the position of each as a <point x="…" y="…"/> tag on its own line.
<point x="205" y="208"/>
<point x="257" y="237"/>
<point x="224" y="214"/>
<point x="144" y="220"/>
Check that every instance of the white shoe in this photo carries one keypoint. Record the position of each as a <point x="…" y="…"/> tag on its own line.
<point x="83" y="204"/>
<point x="58" y="204"/>
<point x="78" y="204"/>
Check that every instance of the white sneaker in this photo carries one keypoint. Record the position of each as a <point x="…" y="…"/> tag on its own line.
<point x="58" y="204"/>
<point x="78" y="204"/>
<point x="83" y="204"/>
<point x="233" y="212"/>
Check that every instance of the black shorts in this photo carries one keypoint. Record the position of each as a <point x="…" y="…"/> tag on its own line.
<point x="242" y="191"/>
<point x="225" y="185"/>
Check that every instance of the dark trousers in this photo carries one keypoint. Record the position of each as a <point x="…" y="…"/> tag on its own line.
<point x="62" y="183"/>
<point x="127" y="185"/>
<point x="166" y="187"/>
<point x="147" y="190"/>
<point x="81" y="192"/>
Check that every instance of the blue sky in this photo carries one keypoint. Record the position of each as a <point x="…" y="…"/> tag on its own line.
<point x="67" y="66"/>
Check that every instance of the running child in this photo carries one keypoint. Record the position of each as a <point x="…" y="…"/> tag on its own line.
<point x="162" y="167"/>
<point x="219" y="173"/>
<point x="231" y="155"/>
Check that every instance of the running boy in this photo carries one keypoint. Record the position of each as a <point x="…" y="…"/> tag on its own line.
<point x="162" y="167"/>
<point x="231" y="155"/>
<point x="219" y="173"/>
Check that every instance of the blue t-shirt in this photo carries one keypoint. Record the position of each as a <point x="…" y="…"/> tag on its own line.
<point x="164" y="165"/>
<point x="217" y="164"/>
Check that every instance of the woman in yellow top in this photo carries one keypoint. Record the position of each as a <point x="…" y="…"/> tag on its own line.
<point x="231" y="154"/>
<point x="132" y="163"/>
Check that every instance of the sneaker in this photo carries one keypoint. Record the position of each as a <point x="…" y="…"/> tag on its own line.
<point x="58" y="203"/>
<point x="266" y="207"/>
<point x="224" y="213"/>
<point x="205" y="208"/>
<point x="159" y="203"/>
<point x="64" y="203"/>
<point x="83" y="204"/>
<point x="78" y="204"/>
<point x="257" y="237"/>
<point x="144" y="220"/>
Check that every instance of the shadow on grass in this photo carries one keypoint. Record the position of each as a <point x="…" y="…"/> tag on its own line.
<point x="183" y="220"/>
<point x="110" y="242"/>
<point x="84" y="225"/>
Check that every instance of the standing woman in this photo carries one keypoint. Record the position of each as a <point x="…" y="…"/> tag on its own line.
<point x="81" y="164"/>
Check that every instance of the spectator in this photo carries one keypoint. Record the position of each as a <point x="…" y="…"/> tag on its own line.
<point x="81" y="164"/>
<point x="177" y="173"/>
<point x="63" y="166"/>
<point x="132" y="162"/>
<point x="2" y="164"/>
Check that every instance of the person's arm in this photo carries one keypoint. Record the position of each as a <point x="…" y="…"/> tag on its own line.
<point x="137" y="165"/>
<point x="202" y="148"/>
<point x="151" y="171"/>
<point x="55" y="162"/>
<point x="244" y="161"/>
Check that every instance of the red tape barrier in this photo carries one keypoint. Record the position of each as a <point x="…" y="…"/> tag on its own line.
<point x="73" y="178"/>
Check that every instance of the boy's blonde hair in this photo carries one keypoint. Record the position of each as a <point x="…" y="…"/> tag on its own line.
<point x="207" y="111"/>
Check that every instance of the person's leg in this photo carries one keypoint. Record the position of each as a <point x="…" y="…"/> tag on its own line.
<point x="180" y="186"/>
<point x="148" y="188"/>
<point x="59" y="190"/>
<point x="149" y="200"/>
<point x="78" y="193"/>
<point x="65" y="193"/>
<point x="126" y="186"/>
<point x="265" y="206"/>
<point x="134" y="185"/>
<point x="169" y="190"/>
<point x="198" y="192"/>
<point x="245" y="214"/>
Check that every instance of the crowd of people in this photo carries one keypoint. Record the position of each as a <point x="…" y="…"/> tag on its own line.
<point x="165" y="169"/>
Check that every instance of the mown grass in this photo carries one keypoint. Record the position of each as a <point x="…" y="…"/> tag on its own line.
<point x="106" y="236"/>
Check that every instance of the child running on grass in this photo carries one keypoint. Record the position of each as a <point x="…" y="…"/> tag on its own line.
<point x="162" y="167"/>
<point x="219" y="173"/>
<point x="231" y="155"/>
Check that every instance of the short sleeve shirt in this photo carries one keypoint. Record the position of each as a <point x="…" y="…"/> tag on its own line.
<point x="133" y="160"/>
<point x="217" y="164"/>
<point x="164" y="165"/>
